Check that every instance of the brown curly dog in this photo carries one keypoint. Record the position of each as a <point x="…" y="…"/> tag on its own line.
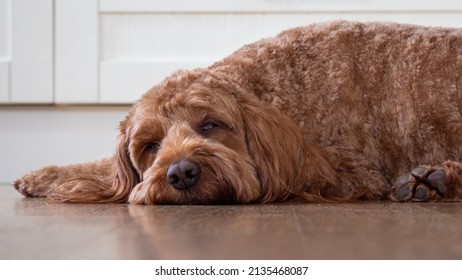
<point x="337" y="111"/>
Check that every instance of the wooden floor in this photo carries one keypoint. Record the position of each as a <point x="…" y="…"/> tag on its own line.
<point x="39" y="229"/>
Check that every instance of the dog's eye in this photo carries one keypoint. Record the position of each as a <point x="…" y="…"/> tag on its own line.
<point x="208" y="127"/>
<point x="151" y="147"/>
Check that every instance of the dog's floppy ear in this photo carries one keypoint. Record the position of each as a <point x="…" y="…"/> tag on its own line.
<point x="286" y="163"/>
<point x="276" y="145"/>
<point x="125" y="174"/>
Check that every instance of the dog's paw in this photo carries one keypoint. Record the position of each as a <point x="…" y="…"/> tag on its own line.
<point x="37" y="183"/>
<point x="423" y="183"/>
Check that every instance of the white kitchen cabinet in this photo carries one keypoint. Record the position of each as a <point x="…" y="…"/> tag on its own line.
<point x="26" y="51"/>
<point x="112" y="51"/>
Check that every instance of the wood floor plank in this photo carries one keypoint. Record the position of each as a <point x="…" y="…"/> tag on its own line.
<point x="39" y="229"/>
<point x="381" y="231"/>
<point x="207" y="232"/>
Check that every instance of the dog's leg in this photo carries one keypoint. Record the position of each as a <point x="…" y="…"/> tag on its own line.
<point x="39" y="183"/>
<point x="430" y="183"/>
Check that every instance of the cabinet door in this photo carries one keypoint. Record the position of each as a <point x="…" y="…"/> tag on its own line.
<point x="26" y="51"/>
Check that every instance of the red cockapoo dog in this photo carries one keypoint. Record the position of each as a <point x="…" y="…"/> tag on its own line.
<point x="337" y="111"/>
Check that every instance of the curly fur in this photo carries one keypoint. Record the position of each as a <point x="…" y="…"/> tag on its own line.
<point x="327" y="112"/>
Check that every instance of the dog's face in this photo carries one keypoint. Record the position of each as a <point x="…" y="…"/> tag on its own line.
<point x="195" y="140"/>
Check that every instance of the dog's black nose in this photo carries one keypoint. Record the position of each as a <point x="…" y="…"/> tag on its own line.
<point x="183" y="174"/>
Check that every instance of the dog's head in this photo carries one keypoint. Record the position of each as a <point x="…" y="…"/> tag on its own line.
<point x="199" y="139"/>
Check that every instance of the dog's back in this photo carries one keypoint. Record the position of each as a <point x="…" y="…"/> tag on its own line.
<point x="389" y="92"/>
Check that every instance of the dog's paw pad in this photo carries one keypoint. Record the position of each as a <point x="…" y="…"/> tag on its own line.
<point x="436" y="180"/>
<point x="403" y="189"/>
<point x="424" y="193"/>
<point x="421" y="172"/>
<point x="422" y="184"/>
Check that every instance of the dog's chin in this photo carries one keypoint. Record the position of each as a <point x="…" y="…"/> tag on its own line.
<point x="196" y="195"/>
<point x="236" y="186"/>
<point x="204" y="192"/>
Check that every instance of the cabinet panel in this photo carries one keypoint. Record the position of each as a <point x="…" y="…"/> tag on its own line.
<point x="76" y="52"/>
<point x="4" y="29"/>
<point x="4" y="50"/>
<point x="4" y="81"/>
<point x="31" y="54"/>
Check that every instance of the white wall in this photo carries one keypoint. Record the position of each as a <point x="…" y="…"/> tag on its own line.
<point x="32" y="137"/>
